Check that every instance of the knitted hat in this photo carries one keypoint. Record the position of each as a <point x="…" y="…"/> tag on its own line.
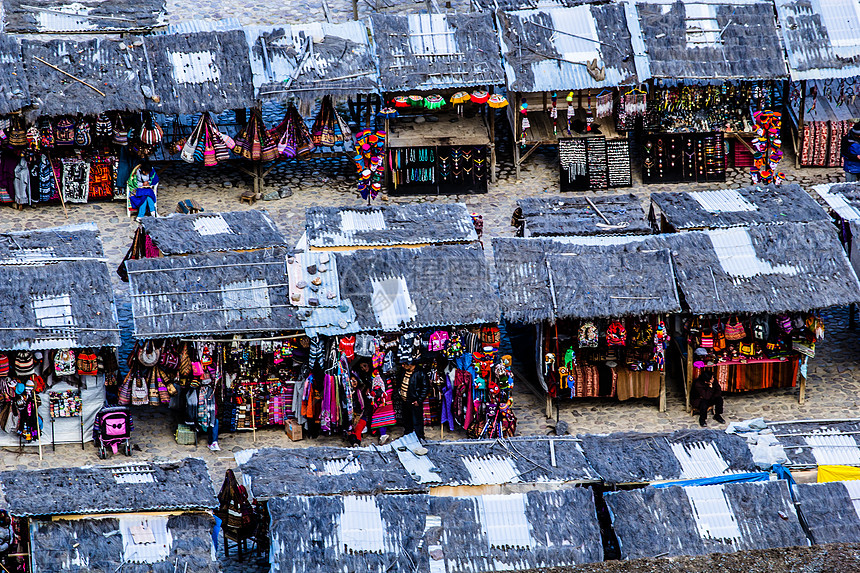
<point x="855" y="131"/>
<point x="25" y="365"/>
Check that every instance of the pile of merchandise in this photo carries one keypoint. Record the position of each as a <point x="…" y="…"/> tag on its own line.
<point x="330" y="386"/>
<point x="756" y="340"/>
<point x="589" y="359"/>
<point x="25" y="376"/>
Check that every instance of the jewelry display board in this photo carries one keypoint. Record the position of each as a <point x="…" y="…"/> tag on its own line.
<point x="682" y="157"/>
<point x="438" y="170"/>
<point x="591" y="163"/>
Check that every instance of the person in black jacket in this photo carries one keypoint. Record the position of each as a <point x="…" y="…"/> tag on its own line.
<point x="706" y="392"/>
<point x="413" y="388"/>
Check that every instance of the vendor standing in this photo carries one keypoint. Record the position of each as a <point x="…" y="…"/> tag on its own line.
<point x="706" y="392"/>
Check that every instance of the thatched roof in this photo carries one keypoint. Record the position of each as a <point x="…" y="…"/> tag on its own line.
<point x="698" y="520"/>
<point x="82" y="16"/>
<point x="436" y="51"/>
<point x="179" y="234"/>
<point x="691" y="40"/>
<point x="55" y="290"/>
<point x="409" y="224"/>
<point x="628" y="457"/>
<point x="340" y="60"/>
<point x="276" y="472"/>
<point x="573" y="215"/>
<point x="14" y="89"/>
<point x="792" y="267"/>
<point x="202" y="71"/>
<point x="829" y="512"/>
<point x="756" y="205"/>
<point x="213" y="293"/>
<point x="537" y="46"/>
<point x="109" y="65"/>
<point x="422" y="533"/>
<point x="819" y="39"/>
<point x="443" y="285"/>
<point x="130" y="488"/>
<point x="544" y="280"/>
<point x="93" y="545"/>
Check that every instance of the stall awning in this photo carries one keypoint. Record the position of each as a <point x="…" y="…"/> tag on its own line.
<point x="567" y="216"/>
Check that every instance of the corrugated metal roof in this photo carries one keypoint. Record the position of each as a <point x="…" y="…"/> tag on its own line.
<point x="491" y="469"/>
<point x="392" y="305"/>
<point x="390" y="225"/>
<point x="843" y="206"/>
<point x="699" y="460"/>
<point x="834" y="448"/>
<point x="714" y="518"/>
<point x="360" y="526"/>
<point x="145" y="539"/>
<point x="547" y="49"/>
<point x="853" y="487"/>
<point x="505" y="523"/>
<point x="822" y="37"/>
<point x="329" y="321"/>
<point x="738" y="256"/>
<point x="722" y="201"/>
<point x="195" y="26"/>
<point x="421" y="468"/>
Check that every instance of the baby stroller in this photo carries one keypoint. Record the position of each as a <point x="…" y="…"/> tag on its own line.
<point x="113" y="426"/>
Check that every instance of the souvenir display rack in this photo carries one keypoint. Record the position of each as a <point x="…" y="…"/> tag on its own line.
<point x="67" y="404"/>
<point x="590" y="163"/>
<point x="546" y="118"/>
<point x="676" y="157"/>
<point x="752" y="352"/>
<point x="619" y="358"/>
<point x="437" y="170"/>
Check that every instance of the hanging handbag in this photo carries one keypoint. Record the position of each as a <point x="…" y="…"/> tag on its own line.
<point x="87" y="363"/>
<point x="104" y="126"/>
<point x="719" y="341"/>
<point x="706" y="340"/>
<point x="139" y="391"/>
<point x="150" y="133"/>
<point x="17" y="133"/>
<point x="64" y="132"/>
<point x="124" y="392"/>
<point x="149" y="355"/>
<point x="185" y="365"/>
<point x="120" y="133"/>
<point x="83" y="137"/>
<point x="64" y="363"/>
<point x="169" y="357"/>
<point x="187" y="153"/>
<point x="735" y="330"/>
<point x="47" y="132"/>
<point x="747" y="349"/>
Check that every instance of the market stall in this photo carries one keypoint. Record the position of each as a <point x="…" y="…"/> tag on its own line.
<point x="433" y="309"/>
<point x="219" y="331"/>
<point x="724" y="208"/>
<point x="408" y="225"/>
<point x="571" y="216"/>
<point x="564" y="68"/>
<point x="316" y="68"/>
<point x="440" y="106"/>
<point x="59" y="336"/>
<point x="599" y="306"/>
<point x="179" y="234"/>
<point x="142" y="516"/>
<point x="752" y="297"/>
<point x="713" y="65"/>
<point x="825" y="80"/>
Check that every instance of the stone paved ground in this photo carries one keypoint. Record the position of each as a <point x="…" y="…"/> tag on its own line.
<point x="834" y="381"/>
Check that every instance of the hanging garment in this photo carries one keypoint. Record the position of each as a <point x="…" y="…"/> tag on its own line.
<point x="22" y="183"/>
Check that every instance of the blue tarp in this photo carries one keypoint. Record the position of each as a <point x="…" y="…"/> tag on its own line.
<point x="730" y="478"/>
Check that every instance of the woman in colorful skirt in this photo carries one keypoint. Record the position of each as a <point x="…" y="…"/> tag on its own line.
<point x="383" y="408"/>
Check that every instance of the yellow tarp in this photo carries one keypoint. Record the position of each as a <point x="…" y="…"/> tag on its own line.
<point x="837" y="473"/>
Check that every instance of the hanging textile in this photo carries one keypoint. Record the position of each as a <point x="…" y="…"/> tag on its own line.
<point x="76" y="180"/>
<point x="292" y="135"/>
<point x="254" y="142"/>
<point x="101" y="177"/>
<point x="329" y="128"/>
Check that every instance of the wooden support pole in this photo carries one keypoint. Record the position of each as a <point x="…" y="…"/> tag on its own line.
<point x="688" y="383"/>
<point x="662" y="403"/>
<point x="355" y="9"/>
<point x="548" y="406"/>
<point x="801" y="397"/>
<point x="492" y="118"/>
<point x="800" y="121"/>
